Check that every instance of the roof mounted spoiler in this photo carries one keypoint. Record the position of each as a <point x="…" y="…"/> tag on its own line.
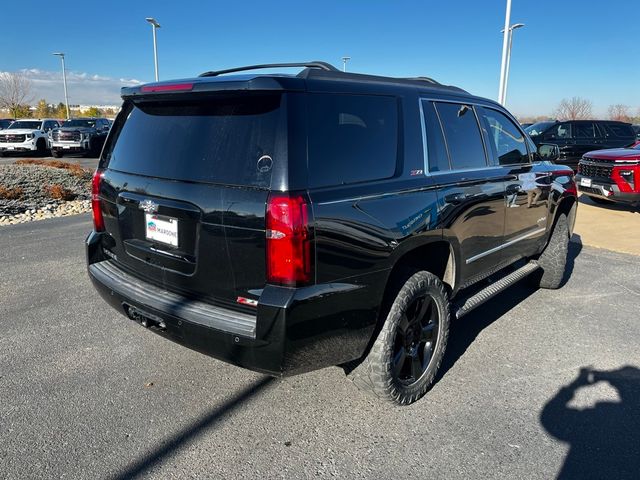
<point x="321" y="65"/>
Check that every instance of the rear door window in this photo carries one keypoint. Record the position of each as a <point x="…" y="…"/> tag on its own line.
<point x="436" y="152"/>
<point x="462" y="134"/>
<point x="217" y="140"/>
<point x="584" y="130"/>
<point x="352" y="138"/>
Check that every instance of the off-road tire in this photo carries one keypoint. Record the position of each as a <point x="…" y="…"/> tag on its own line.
<point x="553" y="260"/>
<point x="374" y="374"/>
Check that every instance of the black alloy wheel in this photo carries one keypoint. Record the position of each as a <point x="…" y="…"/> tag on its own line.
<point x="416" y="339"/>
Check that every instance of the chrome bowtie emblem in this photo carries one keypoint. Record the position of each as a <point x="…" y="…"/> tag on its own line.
<point x="148" y="206"/>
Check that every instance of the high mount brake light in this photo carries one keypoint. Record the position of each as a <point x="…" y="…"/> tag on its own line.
<point x="289" y="245"/>
<point x="98" y="220"/>
<point x="174" y="87"/>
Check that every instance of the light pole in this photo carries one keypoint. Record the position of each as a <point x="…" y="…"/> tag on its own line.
<point x="344" y="63"/>
<point x="64" y="81"/>
<point x="506" y="74"/>
<point x="154" y="25"/>
<point x="505" y="46"/>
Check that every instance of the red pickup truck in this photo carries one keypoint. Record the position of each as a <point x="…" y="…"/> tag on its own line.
<point x="611" y="175"/>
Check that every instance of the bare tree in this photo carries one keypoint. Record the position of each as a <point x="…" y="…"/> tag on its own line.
<point x="619" y="112"/>
<point x="575" y="108"/>
<point x="15" y="91"/>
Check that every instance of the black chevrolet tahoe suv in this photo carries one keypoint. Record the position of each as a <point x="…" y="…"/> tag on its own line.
<point x="574" y="138"/>
<point x="286" y="223"/>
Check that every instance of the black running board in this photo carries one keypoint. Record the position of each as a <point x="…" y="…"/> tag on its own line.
<point x="495" y="288"/>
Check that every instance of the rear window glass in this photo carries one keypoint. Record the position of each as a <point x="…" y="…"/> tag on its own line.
<point x="618" y="130"/>
<point x="230" y="140"/>
<point x="352" y="138"/>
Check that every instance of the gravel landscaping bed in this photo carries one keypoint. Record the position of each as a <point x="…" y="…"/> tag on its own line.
<point x="33" y="192"/>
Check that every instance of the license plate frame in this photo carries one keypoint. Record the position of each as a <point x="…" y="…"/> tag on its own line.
<point x="585" y="182"/>
<point x="161" y="229"/>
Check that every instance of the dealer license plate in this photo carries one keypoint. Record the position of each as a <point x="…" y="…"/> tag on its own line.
<point x="585" y="182"/>
<point x="161" y="229"/>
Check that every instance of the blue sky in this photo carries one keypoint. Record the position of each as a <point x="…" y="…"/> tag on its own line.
<point x="567" y="48"/>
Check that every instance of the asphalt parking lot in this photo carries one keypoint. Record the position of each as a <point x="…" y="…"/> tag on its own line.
<point x="85" y="393"/>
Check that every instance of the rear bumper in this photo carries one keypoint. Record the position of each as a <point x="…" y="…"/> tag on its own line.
<point x="607" y="189"/>
<point x="294" y="330"/>
<point x="70" y="146"/>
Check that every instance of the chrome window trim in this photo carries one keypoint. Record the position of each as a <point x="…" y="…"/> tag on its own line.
<point x="504" y="245"/>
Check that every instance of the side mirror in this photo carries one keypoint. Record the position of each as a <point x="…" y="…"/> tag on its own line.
<point x="549" y="152"/>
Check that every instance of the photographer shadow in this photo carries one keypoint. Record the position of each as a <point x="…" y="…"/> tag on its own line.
<point x="604" y="439"/>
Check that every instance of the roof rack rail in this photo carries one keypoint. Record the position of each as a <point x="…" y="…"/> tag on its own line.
<point x="425" y="79"/>
<point x="321" y="65"/>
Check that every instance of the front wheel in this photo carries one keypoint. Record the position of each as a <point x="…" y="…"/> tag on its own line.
<point x="405" y="357"/>
<point x="41" y="148"/>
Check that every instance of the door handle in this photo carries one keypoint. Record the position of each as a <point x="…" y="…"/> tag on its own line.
<point x="455" y="198"/>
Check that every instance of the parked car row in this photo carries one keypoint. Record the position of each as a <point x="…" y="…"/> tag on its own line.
<point x="84" y="136"/>
<point x="577" y="137"/>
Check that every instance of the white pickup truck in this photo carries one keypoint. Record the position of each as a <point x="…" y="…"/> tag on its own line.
<point x="27" y="135"/>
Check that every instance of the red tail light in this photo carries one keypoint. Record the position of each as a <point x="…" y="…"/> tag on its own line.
<point x="289" y="244"/>
<point x="98" y="221"/>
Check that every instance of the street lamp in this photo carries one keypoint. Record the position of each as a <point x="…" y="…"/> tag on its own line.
<point x="506" y="73"/>
<point x="344" y="63"/>
<point x="154" y="25"/>
<point x="64" y="81"/>
<point x="505" y="45"/>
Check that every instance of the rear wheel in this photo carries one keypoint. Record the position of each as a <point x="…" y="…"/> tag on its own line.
<point x="404" y="360"/>
<point x="553" y="260"/>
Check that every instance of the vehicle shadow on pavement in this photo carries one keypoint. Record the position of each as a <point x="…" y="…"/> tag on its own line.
<point x="464" y="332"/>
<point x="193" y="431"/>
<point x="621" y="207"/>
<point x="604" y="439"/>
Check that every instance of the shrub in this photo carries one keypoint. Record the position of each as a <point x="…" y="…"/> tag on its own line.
<point x="58" y="192"/>
<point x="73" y="168"/>
<point x="11" y="193"/>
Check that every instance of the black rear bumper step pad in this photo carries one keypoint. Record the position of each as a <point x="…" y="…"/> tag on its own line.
<point x="172" y="303"/>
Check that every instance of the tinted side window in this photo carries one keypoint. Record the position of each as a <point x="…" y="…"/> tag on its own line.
<point x="462" y="135"/>
<point x="505" y="140"/>
<point x="561" y="130"/>
<point x="352" y="138"/>
<point x="438" y="159"/>
<point x="584" y="130"/>
<point x="618" y="130"/>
